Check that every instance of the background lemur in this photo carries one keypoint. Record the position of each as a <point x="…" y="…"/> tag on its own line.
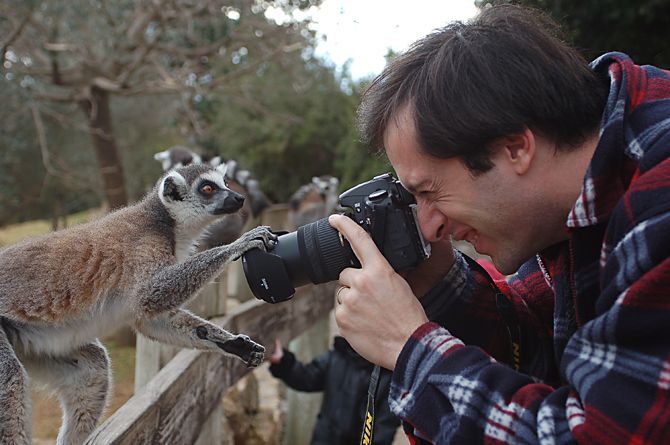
<point x="61" y="291"/>
<point x="313" y="201"/>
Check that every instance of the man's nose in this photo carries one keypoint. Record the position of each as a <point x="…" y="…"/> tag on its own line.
<point x="432" y="222"/>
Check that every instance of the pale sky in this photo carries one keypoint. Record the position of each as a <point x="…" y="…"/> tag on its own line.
<point x="364" y="29"/>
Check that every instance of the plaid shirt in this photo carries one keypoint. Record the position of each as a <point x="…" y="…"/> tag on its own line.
<point x="594" y="310"/>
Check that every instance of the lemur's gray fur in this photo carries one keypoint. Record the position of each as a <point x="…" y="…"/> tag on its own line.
<point x="61" y="291"/>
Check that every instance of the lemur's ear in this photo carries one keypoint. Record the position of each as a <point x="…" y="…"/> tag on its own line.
<point x="222" y="168"/>
<point x="173" y="188"/>
<point x="216" y="161"/>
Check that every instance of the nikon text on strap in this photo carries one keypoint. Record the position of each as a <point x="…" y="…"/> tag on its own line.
<point x="368" y="424"/>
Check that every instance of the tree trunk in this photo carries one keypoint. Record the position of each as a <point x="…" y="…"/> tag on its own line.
<point x="100" y="124"/>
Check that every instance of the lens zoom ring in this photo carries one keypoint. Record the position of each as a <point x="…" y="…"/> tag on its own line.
<point x="332" y="251"/>
<point x="326" y="255"/>
<point x="309" y="237"/>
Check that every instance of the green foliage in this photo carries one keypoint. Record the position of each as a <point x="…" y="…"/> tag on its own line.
<point x="27" y="190"/>
<point x="292" y="127"/>
<point x="635" y="27"/>
<point x="143" y="126"/>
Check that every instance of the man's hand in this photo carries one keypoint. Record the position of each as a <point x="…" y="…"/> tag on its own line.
<point x="378" y="311"/>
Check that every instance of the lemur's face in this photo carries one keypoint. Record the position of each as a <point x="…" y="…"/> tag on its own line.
<point x="198" y="193"/>
<point x="212" y="190"/>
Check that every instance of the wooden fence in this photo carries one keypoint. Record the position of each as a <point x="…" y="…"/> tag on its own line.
<point x="180" y="403"/>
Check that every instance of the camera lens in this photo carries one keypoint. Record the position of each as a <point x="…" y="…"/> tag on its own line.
<point x="324" y="252"/>
<point x="316" y="253"/>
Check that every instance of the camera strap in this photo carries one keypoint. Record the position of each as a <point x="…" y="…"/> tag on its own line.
<point x="506" y="311"/>
<point x="368" y="424"/>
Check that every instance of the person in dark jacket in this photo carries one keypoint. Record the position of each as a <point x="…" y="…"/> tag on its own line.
<point x="344" y="377"/>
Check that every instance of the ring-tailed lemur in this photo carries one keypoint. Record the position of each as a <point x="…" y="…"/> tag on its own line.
<point x="61" y="291"/>
<point x="178" y="156"/>
<point x="313" y="201"/>
<point x="229" y="228"/>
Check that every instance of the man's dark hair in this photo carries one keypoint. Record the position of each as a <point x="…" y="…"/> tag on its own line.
<point x="469" y="84"/>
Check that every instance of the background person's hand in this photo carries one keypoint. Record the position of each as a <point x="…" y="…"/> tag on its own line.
<point x="277" y="354"/>
<point x="378" y="311"/>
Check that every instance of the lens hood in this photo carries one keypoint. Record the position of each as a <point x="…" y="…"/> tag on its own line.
<point x="267" y="276"/>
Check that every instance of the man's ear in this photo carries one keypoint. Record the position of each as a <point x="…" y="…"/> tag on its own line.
<point x="518" y="149"/>
<point x="173" y="188"/>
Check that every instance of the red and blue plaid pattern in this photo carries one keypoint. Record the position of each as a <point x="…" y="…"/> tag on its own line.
<point x="595" y="309"/>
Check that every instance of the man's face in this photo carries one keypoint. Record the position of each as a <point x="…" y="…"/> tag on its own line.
<point x="494" y="211"/>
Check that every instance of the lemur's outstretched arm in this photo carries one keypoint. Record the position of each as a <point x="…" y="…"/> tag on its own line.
<point x="185" y="330"/>
<point x="174" y="285"/>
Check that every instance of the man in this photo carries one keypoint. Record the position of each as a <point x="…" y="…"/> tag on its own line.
<point x="509" y="140"/>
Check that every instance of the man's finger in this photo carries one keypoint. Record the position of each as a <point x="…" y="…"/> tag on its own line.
<point x="361" y="243"/>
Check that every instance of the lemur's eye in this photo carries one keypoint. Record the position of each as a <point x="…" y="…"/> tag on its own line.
<point x="207" y="189"/>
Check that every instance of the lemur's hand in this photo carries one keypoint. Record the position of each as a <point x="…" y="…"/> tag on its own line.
<point x="245" y="348"/>
<point x="260" y="237"/>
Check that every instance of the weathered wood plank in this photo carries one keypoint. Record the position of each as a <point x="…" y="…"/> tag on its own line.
<point x="173" y="406"/>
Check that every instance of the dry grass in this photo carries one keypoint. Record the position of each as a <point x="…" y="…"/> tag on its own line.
<point x="19" y="232"/>
<point x="16" y="233"/>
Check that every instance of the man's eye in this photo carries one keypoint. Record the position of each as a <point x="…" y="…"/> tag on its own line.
<point x="207" y="189"/>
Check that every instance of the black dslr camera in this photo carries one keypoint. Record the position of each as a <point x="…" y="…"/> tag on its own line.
<point x="317" y="253"/>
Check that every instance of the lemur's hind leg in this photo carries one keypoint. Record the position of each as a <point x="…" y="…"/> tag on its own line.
<point x="15" y="421"/>
<point x="82" y="379"/>
<point x="183" y="329"/>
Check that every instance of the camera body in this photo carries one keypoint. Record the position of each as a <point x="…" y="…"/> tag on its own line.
<point x="317" y="253"/>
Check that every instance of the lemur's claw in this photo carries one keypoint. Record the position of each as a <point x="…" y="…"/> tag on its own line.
<point x="248" y="350"/>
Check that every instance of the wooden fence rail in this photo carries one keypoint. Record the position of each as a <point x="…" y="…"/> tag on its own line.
<point x="173" y="407"/>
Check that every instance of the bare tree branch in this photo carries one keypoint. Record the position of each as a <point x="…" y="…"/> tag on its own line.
<point x="5" y="43"/>
<point x="41" y="136"/>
